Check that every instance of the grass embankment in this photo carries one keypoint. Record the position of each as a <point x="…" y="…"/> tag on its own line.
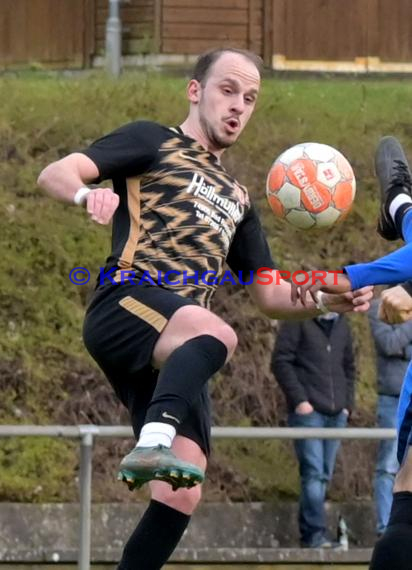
<point x="46" y="376"/>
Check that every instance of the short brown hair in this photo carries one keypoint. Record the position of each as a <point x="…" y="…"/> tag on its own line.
<point x="207" y="59"/>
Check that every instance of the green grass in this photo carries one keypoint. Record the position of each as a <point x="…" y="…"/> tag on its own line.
<point x="44" y="117"/>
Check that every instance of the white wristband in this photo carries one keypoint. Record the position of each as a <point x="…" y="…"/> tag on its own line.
<point x="80" y="196"/>
<point x="320" y="305"/>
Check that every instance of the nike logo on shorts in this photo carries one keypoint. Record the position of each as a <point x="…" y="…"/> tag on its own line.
<point x="169" y="417"/>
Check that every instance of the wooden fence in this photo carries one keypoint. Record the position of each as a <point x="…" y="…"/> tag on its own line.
<point x="342" y="34"/>
<point x="54" y="32"/>
<point x="186" y="26"/>
<point x="289" y="34"/>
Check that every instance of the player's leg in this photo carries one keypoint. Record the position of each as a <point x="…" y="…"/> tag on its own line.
<point x="394" y="548"/>
<point x="394" y="176"/>
<point x="121" y="328"/>
<point x="394" y="221"/>
<point x="193" y="346"/>
<point x="168" y="513"/>
<point x="167" y="516"/>
<point x="122" y="331"/>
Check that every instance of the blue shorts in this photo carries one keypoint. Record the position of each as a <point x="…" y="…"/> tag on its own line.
<point x="404" y="420"/>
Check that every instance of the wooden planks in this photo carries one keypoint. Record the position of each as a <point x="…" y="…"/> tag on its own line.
<point x="336" y="30"/>
<point x="67" y="33"/>
<point x="45" y="32"/>
<point x="193" y="27"/>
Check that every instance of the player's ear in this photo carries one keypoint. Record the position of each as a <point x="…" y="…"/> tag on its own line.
<point x="193" y="91"/>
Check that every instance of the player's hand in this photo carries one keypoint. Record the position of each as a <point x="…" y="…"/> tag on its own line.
<point x="395" y="306"/>
<point x="101" y="204"/>
<point x="357" y="301"/>
<point x="329" y="282"/>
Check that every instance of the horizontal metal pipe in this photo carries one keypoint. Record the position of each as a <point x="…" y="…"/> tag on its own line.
<point x="217" y="432"/>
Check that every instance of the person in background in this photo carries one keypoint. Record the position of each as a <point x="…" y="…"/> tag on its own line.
<point x="393" y="345"/>
<point x="313" y="362"/>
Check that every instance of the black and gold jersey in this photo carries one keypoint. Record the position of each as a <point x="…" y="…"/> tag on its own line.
<point x="181" y="214"/>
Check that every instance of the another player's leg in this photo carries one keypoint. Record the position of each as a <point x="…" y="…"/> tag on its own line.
<point x="166" y="518"/>
<point x="394" y="548"/>
<point x="194" y="345"/>
<point x="394" y="177"/>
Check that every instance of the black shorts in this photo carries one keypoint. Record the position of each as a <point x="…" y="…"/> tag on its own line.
<point x="121" y="328"/>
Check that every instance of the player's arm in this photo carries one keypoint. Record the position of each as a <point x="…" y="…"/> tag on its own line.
<point x="250" y="251"/>
<point x="63" y="178"/>
<point x="390" y="269"/>
<point x="274" y="299"/>
<point x="272" y="295"/>
<point x="332" y="282"/>
<point x="126" y="152"/>
<point x="66" y="180"/>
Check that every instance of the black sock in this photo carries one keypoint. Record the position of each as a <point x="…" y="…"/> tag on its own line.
<point x="154" y="539"/>
<point x="182" y="378"/>
<point x="400" y="212"/>
<point x="393" y="551"/>
<point x="401" y="511"/>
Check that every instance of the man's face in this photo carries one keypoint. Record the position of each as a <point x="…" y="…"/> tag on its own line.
<point x="227" y="99"/>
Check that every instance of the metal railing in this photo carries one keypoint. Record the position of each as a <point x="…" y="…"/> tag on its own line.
<point x="87" y="433"/>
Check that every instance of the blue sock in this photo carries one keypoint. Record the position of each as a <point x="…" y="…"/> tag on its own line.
<point x="407" y="226"/>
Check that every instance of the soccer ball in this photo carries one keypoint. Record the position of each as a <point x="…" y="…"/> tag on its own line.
<point x="311" y="185"/>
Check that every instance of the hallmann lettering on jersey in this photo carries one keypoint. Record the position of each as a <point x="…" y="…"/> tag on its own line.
<point x="197" y="187"/>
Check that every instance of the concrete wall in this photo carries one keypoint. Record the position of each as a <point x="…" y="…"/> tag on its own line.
<point x="245" y="532"/>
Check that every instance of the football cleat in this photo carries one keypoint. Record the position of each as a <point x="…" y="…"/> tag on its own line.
<point x="144" y="464"/>
<point x="394" y="175"/>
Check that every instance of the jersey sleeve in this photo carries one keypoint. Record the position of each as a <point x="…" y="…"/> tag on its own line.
<point x="391" y="269"/>
<point x="249" y="249"/>
<point x="127" y="151"/>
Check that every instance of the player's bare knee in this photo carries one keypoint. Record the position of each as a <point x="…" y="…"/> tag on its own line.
<point x="403" y="479"/>
<point x="227" y="335"/>
<point x="183" y="500"/>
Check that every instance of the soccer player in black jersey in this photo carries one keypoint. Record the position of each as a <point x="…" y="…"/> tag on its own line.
<point x="178" y="216"/>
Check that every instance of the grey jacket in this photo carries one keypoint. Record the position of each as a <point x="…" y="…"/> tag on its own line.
<point x="393" y="345"/>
